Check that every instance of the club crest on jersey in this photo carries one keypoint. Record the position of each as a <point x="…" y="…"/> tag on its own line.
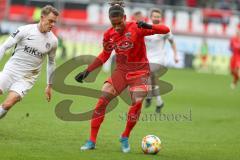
<point x="128" y="35"/>
<point x="48" y="45"/>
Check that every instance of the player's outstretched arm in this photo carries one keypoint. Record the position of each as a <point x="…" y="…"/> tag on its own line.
<point x="99" y="61"/>
<point x="150" y="29"/>
<point x="51" y="65"/>
<point x="174" y="48"/>
<point x="11" y="41"/>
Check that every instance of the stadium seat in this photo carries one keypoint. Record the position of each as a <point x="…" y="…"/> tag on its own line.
<point x="182" y="21"/>
<point x="197" y="26"/>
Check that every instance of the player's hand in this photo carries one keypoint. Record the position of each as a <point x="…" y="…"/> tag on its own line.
<point x="81" y="76"/>
<point x="176" y="60"/>
<point x="144" y="25"/>
<point x="48" y="93"/>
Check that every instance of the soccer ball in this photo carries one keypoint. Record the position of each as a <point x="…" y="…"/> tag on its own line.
<point x="151" y="144"/>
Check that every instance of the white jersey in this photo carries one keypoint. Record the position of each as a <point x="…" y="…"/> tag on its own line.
<point x="155" y="47"/>
<point x="31" y="48"/>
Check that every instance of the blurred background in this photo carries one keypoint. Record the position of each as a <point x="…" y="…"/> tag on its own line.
<point x="202" y="28"/>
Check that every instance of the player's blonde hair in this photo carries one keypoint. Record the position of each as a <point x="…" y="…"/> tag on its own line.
<point x="49" y="9"/>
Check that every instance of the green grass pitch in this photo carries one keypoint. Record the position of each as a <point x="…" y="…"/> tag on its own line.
<point x="31" y="130"/>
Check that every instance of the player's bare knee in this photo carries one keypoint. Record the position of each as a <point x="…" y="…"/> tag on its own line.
<point x="108" y="91"/>
<point x="138" y="96"/>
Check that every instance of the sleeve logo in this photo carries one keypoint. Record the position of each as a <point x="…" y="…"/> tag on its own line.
<point x="15" y="33"/>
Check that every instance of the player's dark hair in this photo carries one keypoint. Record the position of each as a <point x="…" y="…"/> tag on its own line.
<point x="137" y="13"/>
<point x="116" y="11"/>
<point x="155" y="10"/>
<point x="49" y="9"/>
<point x="114" y="2"/>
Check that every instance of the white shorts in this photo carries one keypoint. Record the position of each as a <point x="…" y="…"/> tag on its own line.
<point x="9" y="82"/>
<point x="154" y="67"/>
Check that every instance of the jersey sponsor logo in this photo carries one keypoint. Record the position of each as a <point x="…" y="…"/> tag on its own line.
<point x="15" y="33"/>
<point x="125" y="45"/>
<point x="32" y="51"/>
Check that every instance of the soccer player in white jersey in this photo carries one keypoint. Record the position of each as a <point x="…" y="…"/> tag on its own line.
<point x="32" y="43"/>
<point x="157" y="56"/>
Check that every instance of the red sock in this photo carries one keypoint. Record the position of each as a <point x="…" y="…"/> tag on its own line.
<point x="133" y="116"/>
<point x="98" y="117"/>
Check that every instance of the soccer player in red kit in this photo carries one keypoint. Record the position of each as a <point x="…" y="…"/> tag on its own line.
<point x="132" y="70"/>
<point x="235" y="59"/>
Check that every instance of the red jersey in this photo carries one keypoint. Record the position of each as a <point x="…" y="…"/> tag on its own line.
<point x="235" y="46"/>
<point x="129" y="47"/>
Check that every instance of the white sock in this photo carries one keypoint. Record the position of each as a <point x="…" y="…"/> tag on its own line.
<point x="2" y="111"/>
<point x="159" y="101"/>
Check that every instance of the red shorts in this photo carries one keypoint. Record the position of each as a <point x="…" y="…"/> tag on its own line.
<point x="121" y="80"/>
<point x="235" y="63"/>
